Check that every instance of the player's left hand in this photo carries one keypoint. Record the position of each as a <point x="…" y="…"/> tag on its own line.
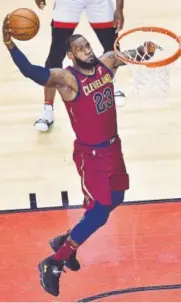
<point x="5" y="30"/>
<point x="151" y="47"/>
<point x="118" y="20"/>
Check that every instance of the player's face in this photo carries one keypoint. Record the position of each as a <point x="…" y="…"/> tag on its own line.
<point x="82" y="54"/>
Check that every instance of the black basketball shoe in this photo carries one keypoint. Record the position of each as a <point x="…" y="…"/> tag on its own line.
<point x="50" y="272"/>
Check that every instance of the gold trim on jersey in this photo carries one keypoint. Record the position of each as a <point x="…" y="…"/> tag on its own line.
<point x="96" y="84"/>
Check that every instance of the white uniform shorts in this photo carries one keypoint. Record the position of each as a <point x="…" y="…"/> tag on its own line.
<point x="67" y="13"/>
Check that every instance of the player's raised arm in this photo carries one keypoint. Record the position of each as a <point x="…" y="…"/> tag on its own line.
<point x="41" y="75"/>
<point x="143" y="52"/>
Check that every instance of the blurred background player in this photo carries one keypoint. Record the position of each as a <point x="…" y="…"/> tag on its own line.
<point x="97" y="149"/>
<point x="66" y="16"/>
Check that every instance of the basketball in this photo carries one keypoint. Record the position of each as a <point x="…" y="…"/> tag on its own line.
<point x="24" y="24"/>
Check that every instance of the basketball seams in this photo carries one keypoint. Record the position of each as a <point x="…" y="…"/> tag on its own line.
<point x="23" y="28"/>
<point x="27" y="9"/>
<point x="35" y="23"/>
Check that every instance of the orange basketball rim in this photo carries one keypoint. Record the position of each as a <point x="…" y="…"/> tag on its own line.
<point x="152" y="64"/>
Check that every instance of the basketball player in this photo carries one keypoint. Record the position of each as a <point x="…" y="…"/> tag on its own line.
<point x="66" y="17"/>
<point x="87" y="92"/>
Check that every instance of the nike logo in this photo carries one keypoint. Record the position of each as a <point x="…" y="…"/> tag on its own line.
<point x="56" y="272"/>
<point x="84" y="80"/>
<point x="100" y="70"/>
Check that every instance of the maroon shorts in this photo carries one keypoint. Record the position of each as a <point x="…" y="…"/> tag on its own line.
<point x="102" y="170"/>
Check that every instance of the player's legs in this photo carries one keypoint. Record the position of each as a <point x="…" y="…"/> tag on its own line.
<point x="51" y="268"/>
<point x="108" y="191"/>
<point x="106" y="37"/>
<point x="100" y="16"/>
<point x="94" y="218"/>
<point x="66" y="16"/>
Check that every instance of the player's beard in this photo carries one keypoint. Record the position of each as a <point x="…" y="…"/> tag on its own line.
<point x="87" y="65"/>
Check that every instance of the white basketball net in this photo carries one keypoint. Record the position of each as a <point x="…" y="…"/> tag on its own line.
<point x="149" y="82"/>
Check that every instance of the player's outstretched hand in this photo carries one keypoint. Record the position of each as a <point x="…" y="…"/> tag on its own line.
<point x="151" y="47"/>
<point x="41" y="3"/>
<point x="5" y="30"/>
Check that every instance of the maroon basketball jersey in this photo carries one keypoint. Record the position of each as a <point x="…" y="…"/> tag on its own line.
<point x="92" y="112"/>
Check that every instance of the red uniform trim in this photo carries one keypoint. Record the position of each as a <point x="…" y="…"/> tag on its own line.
<point x="58" y="24"/>
<point x="102" y="25"/>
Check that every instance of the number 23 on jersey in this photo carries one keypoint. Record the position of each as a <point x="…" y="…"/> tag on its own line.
<point x="103" y="101"/>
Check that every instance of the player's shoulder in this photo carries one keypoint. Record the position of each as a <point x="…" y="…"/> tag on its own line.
<point x="108" y="59"/>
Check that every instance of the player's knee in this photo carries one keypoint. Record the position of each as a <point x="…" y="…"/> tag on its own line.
<point x="101" y="221"/>
<point x="106" y="37"/>
<point x="58" y="48"/>
<point x="92" y="220"/>
<point x="55" y="57"/>
<point x="117" y="198"/>
<point x="100" y="214"/>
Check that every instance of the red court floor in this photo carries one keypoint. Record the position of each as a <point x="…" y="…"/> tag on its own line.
<point x="136" y="257"/>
